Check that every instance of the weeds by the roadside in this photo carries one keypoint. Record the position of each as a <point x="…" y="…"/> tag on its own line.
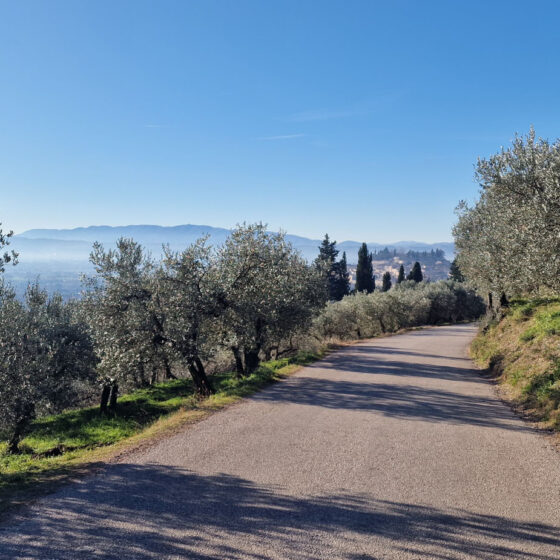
<point x="523" y="350"/>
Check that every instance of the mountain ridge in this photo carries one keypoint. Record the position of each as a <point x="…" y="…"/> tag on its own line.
<point x="187" y="233"/>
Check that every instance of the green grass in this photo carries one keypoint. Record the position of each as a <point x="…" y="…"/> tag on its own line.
<point x="546" y="323"/>
<point x="521" y="309"/>
<point x="546" y="385"/>
<point x="66" y="443"/>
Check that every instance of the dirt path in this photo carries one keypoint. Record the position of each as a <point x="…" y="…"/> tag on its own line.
<point x="389" y="449"/>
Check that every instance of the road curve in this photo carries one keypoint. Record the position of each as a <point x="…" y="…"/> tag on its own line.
<point x="393" y="448"/>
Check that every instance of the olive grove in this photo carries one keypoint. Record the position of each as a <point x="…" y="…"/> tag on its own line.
<point x="203" y="309"/>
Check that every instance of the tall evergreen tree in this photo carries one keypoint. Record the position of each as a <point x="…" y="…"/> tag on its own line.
<point x="416" y="273"/>
<point x="400" y="277"/>
<point x="327" y="252"/>
<point x="386" y="285"/>
<point x="341" y="282"/>
<point x="336" y="275"/>
<point x="365" y="281"/>
<point x="455" y="272"/>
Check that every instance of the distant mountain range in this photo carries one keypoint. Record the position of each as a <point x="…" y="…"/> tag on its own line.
<point x="75" y="244"/>
<point x="58" y="256"/>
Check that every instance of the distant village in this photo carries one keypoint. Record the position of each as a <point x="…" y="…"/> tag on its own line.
<point x="434" y="264"/>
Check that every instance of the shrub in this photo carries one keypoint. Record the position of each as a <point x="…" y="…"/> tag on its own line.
<point x="408" y="304"/>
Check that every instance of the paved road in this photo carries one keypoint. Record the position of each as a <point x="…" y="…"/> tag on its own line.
<point x="389" y="449"/>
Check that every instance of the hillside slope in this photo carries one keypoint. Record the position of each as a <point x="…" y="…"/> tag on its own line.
<point x="523" y="352"/>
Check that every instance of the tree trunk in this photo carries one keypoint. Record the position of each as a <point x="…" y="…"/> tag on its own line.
<point x="209" y="387"/>
<point x="251" y="361"/>
<point x="168" y="372"/>
<point x="504" y="302"/>
<point x="142" y="381"/>
<point x="239" y="369"/>
<point x="27" y="412"/>
<point x="490" y="302"/>
<point x="203" y="385"/>
<point x="105" y="393"/>
<point x="13" y="446"/>
<point x="114" y="396"/>
<point x="382" y="325"/>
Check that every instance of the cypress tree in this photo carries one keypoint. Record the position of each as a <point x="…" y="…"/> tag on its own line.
<point x="400" y="277"/>
<point x="386" y="285"/>
<point x="416" y="273"/>
<point x="325" y="263"/>
<point x="365" y="281"/>
<point x="341" y="283"/>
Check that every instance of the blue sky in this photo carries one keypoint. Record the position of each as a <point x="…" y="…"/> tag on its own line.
<point x="361" y="119"/>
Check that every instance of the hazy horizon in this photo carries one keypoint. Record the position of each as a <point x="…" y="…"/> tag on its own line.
<point x="58" y="257"/>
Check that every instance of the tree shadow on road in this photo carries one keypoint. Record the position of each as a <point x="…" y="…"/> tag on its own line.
<point x="145" y="512"/>
<point x="374" y="392"/>
<point x="458" y="330"/>
<point x="380" y="351"/>
<point x="376" y="363"/>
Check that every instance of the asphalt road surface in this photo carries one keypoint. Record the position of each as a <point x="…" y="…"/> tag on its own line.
<point x="389" y="449"/>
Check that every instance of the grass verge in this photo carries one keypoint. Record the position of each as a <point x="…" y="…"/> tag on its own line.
<point x="523" y="352"/>
<point x="65" y="445"/>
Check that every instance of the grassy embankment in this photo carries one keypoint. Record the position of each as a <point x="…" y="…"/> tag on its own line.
<point x="69" y="443"/>
<point x="523" y="352"/>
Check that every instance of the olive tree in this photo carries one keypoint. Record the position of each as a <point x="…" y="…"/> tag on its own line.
<point x="44" y="354"/>
<point x="339" y="320"/>
<point x="268" y="293"/>
<point x="126" y="318"/>
<point x="187" y="286"/>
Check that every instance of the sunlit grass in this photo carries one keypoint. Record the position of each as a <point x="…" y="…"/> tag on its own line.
<point x="546" y="323"/>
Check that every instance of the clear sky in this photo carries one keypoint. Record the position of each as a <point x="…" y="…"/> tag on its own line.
<point x="361" y="119"/>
